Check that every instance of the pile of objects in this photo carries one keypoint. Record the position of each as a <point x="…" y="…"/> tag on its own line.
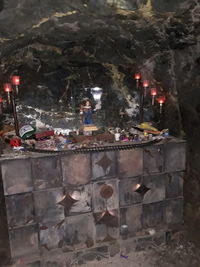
<point x="49" y="139"/>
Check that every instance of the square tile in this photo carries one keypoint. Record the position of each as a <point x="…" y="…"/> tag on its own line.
<point x="105" y="195"/>
<point x="132" y="217"/>
<point x="153" y="214"/>
<point x="76" y="169"/>
<point x="127" y="191"/>
<point x="174" y="211"/>
<point x="48" y="210"/>
<point x="24" y="241"/>
<point x="46" y="172"/>
<point x="175" y="156"/>
<point x="20" y="209"/>
<point x="153" y="159"/>
<point x="103" y="165"/>
<point x="156" y="185"/>
<point x="80" y="231"/>
<point x="174" y="185"/>
<point x="77" y="199"/>
<point x="16" y="176"/>
<point x="130" y="162"/>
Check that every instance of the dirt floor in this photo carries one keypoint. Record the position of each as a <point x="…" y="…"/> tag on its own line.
<point x="178" y="253"/>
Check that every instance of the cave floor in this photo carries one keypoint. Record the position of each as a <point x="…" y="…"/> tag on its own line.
<point x="178" y="253"/>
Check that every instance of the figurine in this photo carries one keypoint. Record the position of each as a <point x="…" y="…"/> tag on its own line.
<point x="86" y="112"/>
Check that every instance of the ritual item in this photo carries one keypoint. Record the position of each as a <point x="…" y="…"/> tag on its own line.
<point x="26" y="131"/>
<point x="153" y="94"/>
<point x="86" y="112"/>
<point x="137" y="78"/>
<point x="161" y="101"/>
<point x="145" y="85"/>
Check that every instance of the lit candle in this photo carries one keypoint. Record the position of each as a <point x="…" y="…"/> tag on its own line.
<point x="137" y="78"/>
<point x="16" y="82"/>
<point x="145" y="85"/>
<point x="8" y="90"/>
<point x="161" y="101"/>
<point x="153" y="94"/>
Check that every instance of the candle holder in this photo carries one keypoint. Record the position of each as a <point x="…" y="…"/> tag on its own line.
<point x="11" y="95"/>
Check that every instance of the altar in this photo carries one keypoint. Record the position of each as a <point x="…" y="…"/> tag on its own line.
<point x="65" y="206"/>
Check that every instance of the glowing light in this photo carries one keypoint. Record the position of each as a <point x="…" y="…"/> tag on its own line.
<point x="15" y="80"/>
<point x="137" y="76"/>
<point x="7" y="88"/>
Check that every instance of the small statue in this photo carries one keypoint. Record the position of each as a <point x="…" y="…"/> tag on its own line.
<point x="86" y="112"/>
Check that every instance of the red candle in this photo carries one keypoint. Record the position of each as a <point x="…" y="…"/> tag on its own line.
<point x="153" y="94"/>
<point x="161" y="101"/>
<point x="145" y="85"/>
<point x="16" y="82"/>
<point x="137" y="78"/>
<point x="8" y="89"/>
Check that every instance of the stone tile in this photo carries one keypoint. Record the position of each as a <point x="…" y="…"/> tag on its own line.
<point x="127" y="191"/>
<point x="174" y="211"/>
<point x="153" y="159"/>
<point x="20" y="209"/>
<point x="105" y="195"/>
<point x="132" y="217"/>
<point x="51" y="237"/>
<point x="46" y="172"/>
<point x="156" y="184"/>
<point x="24" y="241"/>
<point x="174" y="185"/>
<point x="107" y="226"/>
<point x="105" y="233"/>
<point x="77" y="199"/>
<point x="153" y="214"/>
<point x="47" y="208"/>
<point x="130" y="162"/>
<point x="175" y="156"/>
<point x="16" y="176"/>
<point x="76" y="169"/>
<point x="79" y="231"/>
<point x="103" y="165"/>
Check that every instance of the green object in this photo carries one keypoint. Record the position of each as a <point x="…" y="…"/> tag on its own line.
<point x="26" y="131"/>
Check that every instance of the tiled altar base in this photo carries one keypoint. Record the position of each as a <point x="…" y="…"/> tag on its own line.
<point x="72" y="207"/>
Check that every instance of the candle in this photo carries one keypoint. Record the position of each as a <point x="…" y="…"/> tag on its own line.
<point x="137" y="78"/>
<point x="16" y="82"/>
<point x="145" y="85"/>
<point x="153" y="94"/>
<point x="161" y="101"/>
<point x="8" y="90"/>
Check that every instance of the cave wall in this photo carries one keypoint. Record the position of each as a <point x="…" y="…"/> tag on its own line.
<point x="59" y="48"/>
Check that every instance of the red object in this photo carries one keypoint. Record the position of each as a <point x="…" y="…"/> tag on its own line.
<point x="44" y="134"/>
<point x="137" y="76"/>
<point x="7" y="87"/>
<point x="145" y="83"/>
<point x="161" y="100"/>
<point x="1" y="100"/>
<point x="15" y="80"/>
<point x="153" y="92"/>
<point x="15" y="142"/>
